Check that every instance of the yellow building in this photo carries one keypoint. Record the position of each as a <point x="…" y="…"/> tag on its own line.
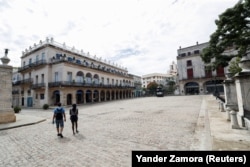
<point x="51" y="72"/>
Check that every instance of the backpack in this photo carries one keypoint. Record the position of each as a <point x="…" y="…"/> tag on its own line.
<point x="59" y="114"/>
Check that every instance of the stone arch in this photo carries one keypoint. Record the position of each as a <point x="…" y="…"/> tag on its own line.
<point x="191" y="88"/>
<point x="79" y="97"/>
<point x="213" y="86"/>
<point x="69" y="99"/>
<point x="112" y="95"/>
<point x="88" y="78"/>
<point x="88" y="96"/>
<point x="102" y="94"/>
<point x="79" y="76"/>
<point x="96" y="96"/>
<point x="56" y="97"/>
<point x="96" y="79"/>
<point x="108" y="95"/>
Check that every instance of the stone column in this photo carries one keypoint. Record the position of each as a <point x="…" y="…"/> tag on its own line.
<point x="242" y="81"/>
<point x="6" y="111"/>
<point x="230" y="92"/>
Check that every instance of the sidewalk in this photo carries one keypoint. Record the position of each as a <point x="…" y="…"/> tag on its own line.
<point x="223" y="137"/>
<point x="22" y="120"/>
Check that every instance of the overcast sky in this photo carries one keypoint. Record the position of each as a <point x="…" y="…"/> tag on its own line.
<point x="142" y="35"/>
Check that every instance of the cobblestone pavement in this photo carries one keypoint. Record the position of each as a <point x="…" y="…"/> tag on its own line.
<point x="108" y="133"/>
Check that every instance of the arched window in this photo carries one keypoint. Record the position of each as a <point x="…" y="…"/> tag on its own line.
<point x="88" y="78"/>
<point x="79" y="76"/>
<point x="96" y="79"/>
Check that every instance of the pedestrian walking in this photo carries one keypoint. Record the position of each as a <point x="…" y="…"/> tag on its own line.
<point x="58" y="118"/>
<point x="73" y="112"/>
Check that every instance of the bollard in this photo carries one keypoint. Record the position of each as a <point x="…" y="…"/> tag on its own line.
<point x="222" y="107"/>
<point x="228" y="109"/>
<point x="235" y="124"/>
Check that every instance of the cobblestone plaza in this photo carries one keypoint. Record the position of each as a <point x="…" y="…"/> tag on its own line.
<point x="109" y="132"/>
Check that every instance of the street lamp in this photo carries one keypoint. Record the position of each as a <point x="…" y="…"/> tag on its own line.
<point x="5" y="60"/>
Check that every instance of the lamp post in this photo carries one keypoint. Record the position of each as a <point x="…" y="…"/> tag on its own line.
<point x="5" y="60"/>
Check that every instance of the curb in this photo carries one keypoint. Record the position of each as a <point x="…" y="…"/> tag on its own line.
<point x="25" y="124"/>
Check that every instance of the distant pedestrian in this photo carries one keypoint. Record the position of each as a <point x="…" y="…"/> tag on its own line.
<point x="58" y="118"/>
<point x="73" y="112"/>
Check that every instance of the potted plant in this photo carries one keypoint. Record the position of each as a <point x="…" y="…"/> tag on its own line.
<point x="17" y="109"/>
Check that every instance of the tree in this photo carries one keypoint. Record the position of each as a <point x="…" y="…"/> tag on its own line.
<point x="234" y="66"/>
<point x="152" y="87"/>
<point x="170" y="87"/>
<point x="233" y="31"/>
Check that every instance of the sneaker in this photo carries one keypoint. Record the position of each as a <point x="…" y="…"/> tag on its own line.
<point x="58" y="134"/>
<point x="61" y="135"/>
<point x="77" y="131"/>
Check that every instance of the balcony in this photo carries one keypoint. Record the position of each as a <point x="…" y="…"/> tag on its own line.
<point x="220" y="77"/>
<point x="26" y="81"/>
<point x="38" y="85"/>
<point x="14" y="92"/>
<point x="87" y="85"/>
<point x="86" y="64"/>
<point x="32" y="65"/>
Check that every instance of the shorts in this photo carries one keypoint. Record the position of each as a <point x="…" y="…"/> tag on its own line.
<point x="59" y="123"/>
<point x="73" y="118"/>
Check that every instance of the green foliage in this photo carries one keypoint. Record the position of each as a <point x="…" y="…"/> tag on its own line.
<point x="45" y="106"/>
<point x="232" y="31"/>
<point x="234" y="66"/>
<point x="151" y="87"/>
<point x="17" y="109"/>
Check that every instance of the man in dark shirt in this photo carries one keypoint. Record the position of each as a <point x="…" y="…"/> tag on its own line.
<point x="59" y="114"/>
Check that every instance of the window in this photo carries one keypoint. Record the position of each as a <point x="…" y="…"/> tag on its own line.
<point x="58" y="56"/>
<point x="208" y="72"/>
<point x="189" y="62"/>
<point x="36" y="79"/>
<point x="196" y="52"/>
<point x="37" y="58"/>
<point x="183" y="54"/>
<point x="41" y="96"/>
<point x="56" y="77"/>
<point x="220" y="71"/>
<point x="79" y="77"/>
<point x="30" y="60"/>
<point x="43" y="56"/>
<point x="42" y="76"/>
<point x="190" y="73"/>
<point x="69" y="76"/>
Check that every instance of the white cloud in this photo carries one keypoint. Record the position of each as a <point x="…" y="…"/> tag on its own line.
<point x="142" y="35"/>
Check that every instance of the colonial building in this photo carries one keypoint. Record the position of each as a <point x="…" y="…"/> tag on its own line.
<point x="51" y="72"/>
<point x="158" y="78"/>
<point x="194" y="76"/>
<point x="137" y="85"/>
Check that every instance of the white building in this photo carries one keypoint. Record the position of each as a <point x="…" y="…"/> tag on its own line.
<point x="51" y="72"/>
<point x="194" y="77"/>
<point x="159" y="78"/>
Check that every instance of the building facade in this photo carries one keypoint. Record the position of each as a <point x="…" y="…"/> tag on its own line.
<point x="137" y="85"/>
<point x="194" y="76"/>
<point x="159" y="78"/>
<point x="51" y="72"/>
